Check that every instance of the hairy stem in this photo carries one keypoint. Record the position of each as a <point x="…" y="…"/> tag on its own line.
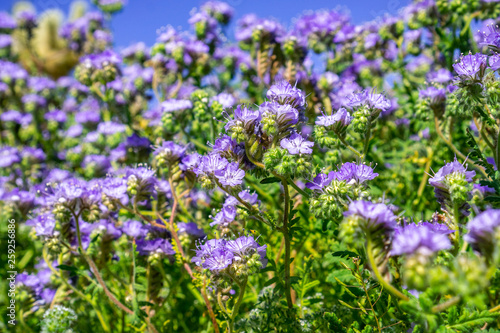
<point x="236" y="306"/>
<point x="386" y="285"/>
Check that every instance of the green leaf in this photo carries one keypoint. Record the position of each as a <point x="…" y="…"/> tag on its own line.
<point x="271" y="281"/>
<point x="468" y="320"/>
<point x="144" y="303"/>
<point x="270" y="180"/>
<point x="68" y="268"/>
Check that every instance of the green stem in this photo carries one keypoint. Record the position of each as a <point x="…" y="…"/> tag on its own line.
<point x="443" y="306"/>
<point x="76" y="291"/>
<point x="386" y="285"/>
<point x="286" y="237"/>
<point x="298" y="189"/>
<point x="495" y="309"/>
<point x="236" y="307"/>
<point x="452" y="147"/>
<point x="351" y="148"/>
<point x="497" y="152"/>
<point x="367" y="141"/>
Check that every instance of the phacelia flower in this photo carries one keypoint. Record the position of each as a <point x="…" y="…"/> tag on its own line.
<point x="483" y="230"/>
<point x="231" y="175"/>
<point x="471" y="66"/>
<point x="337" y="121"/>
<point x="296" y="144"/>
<point x="418" y="238"/>
<point x="374" y="216"/>
<point x="284" y="93"/>
<point x="451" y="185"/>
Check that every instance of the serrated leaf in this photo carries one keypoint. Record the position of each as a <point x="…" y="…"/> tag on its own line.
<point x="475" y="319"/>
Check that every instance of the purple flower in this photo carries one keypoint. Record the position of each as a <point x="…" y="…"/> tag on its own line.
<point x="483" y="189"/>
<point x="284" y="114"/>
<point x="190" y="162"/>
<point x="244" y="247"/>
<point x="44" y="224"/>
<point x="226" y="100"/>
<point x="134" y="229"/>
<point x="376" y="216"/>
<point x="159" y="245"/>
<point x="440" y="76"/>
<point x="494" y="62"/>
<point x="471" y="66"/>
<point x="218" y="9"/>
<point x="226" y="215"/>
<point x="9" y="156"/>
<point x="205" y="250"/>
<point x="100" y="60"/>
<point x="359" y="173"/>
<point x="491" y="37"/>
<point x="450" y="169"/>
<point x="115" y="188"/>
<point x="284" y="93"/>
<point x="321" y="180"/>
<point x="135" y="141"/>
<point x="296" y="144"/>
<point x="170" y="151"/>
<point x="370" y="99"/>
<point x="210" y="164"/>
<point x="172" y="105"/>
<point x="231" y="176"/>
<point x="99" y="164"/>
<point x="245" y="117"/>
<point x="218" y="254"/>
<point x="7" y="22"/>
<point x="339" y="119"/>
<point x="191" y="229"/>
<point x="224" y="144"/>
<point x="56" y="115"/>
<point x="418" y="238"/>
<point x="481" y="230"/>
<point x="17" y="117"/>
<point x="110" y="128"/>
<point x="218" y="260"/>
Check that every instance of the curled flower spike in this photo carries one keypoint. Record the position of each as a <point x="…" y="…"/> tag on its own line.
<point x="452" y="185"/>
<point x="374" y="216"/>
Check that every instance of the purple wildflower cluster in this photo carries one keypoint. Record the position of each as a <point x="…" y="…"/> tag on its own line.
<point x="242" y="255"/>
<point x="158" y="176"/>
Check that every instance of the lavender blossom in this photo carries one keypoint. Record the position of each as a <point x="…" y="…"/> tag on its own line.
<point x="418" y="238"/>
<point x="296" y="144"/>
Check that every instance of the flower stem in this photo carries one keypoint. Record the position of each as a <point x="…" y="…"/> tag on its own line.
<point x="386" y="285"/>
<point x="351" y="148"/>
<point x="286" y="237"/>
<point x="236" y="306"/>
<point x="452" y="147"/>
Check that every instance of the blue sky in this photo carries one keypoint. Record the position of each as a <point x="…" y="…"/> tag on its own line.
<point x="141" y="19"/>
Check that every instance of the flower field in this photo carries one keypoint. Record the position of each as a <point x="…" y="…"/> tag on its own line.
<point x="320" y="176"/>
